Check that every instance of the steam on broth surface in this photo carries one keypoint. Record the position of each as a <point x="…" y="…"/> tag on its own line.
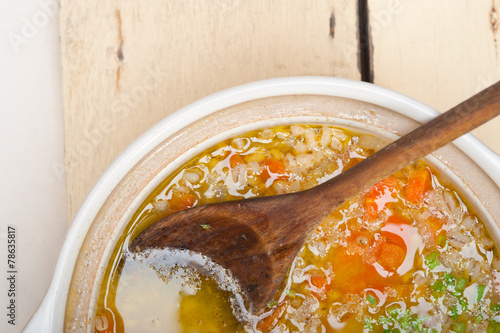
<point x="407" y="255"/>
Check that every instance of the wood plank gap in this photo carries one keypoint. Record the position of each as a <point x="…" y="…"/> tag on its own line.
<point x="365" y="47"/>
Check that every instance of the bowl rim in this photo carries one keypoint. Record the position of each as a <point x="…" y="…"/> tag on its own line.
<point x="49" y="317"/>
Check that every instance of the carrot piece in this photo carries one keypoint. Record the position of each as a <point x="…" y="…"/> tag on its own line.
<point x="319" y="281"/>
<point x="397" y="219"/>
<point x="380" y="195"/>
<point x="235" y="159"/>
<point x="391" y="256"/>
<point x="393" y="249"/>
<point x="433" y="229"/>
<point x="268" y="323"/>
<point x="419" y="183"/>
<point x="434" y="223"/>
<point x="182" y="201"/>
<point x="352" y="273"/>
<point x="373" y="252"/>
<point x="273" y="166"/>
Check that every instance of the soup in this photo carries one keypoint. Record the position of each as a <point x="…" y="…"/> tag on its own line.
<point x="407" y="255"/>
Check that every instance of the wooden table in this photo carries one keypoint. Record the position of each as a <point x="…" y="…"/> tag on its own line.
<point x="127" y="64"/>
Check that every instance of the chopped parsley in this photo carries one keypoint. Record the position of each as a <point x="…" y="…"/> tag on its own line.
<point x="459" y="327"/>
<point x="431" y="260"/>
<point x="398" y="320"/>
<point x="438" y="286"/>
<point x="371" y="299"/>
<point x="460" y="285"/>
<point x="480" y="292"/>
<point x="449" y="281"/>
<point x="368" y="324"/>
<point x="271" y="304"/>
<point x="493" y="327"/>
<point x="442" y="241"/>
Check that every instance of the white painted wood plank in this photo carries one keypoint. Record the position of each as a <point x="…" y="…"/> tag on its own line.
<point x="439" y="52"/>
<point x="128" y="64"/>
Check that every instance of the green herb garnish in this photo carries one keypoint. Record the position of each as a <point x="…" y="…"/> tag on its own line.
<point x="460" y="285"/>
<point x="205" y="226"/>
<point x="441" y="241"/>
<point x="454" y="312"/>
<point x="493" y="327"/>
<point x="480" y="292"/>
<point x="431" y="260"/>
<point x="271" y="304"/>
<point x="463" y="303"/>
<point x="459" y="327"/>
<point x="291" y="293"/>
<point x="372" y="300"/>
<point x="368" y="324"/>
<point x="495" y="307"/>
<point x="393" y="311"/>
<point x="438" y="286"/>
<point x="449" y="281"/>
<point x="403" y="321"/>
<point x="479" y="318"/>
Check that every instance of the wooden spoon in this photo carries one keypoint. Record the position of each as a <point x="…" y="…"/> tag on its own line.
<point x="257" y="239"/>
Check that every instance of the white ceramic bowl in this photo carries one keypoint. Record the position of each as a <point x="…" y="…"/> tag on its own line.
<point x="474" y="169"/>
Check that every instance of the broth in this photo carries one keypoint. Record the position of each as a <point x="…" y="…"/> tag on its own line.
<point x="407" y="255"/>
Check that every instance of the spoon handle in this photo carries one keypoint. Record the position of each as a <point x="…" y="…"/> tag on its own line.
<point x="417" y="144"/>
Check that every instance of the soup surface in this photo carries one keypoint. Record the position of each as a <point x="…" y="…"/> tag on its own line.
<point x="407" y="255"/>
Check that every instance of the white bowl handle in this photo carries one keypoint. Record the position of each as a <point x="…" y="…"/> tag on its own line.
<point x="42" y="319"/>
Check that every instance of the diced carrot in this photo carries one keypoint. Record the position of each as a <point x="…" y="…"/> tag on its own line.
<point x="352" y="273"/>
<point x="371" y="207"/>
<point x="391" y="256"/>
<point x="273" y="166"/>
<point x="433" y="229"/>
<point x="182" y="201"/>
<point x="393" y="250"/>
<point x="373" y="252"/>
<point x="268" y="323"/>
<point x="319" y="281"/>
<point x="419" y="183"/>
<point x="235" y="159"/>
<point x="434" y="223"/>
<point x="380" y="195"/>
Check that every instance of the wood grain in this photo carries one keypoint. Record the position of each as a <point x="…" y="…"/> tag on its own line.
<point x="439" y="52"/>
<point x="127" y="64"/>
